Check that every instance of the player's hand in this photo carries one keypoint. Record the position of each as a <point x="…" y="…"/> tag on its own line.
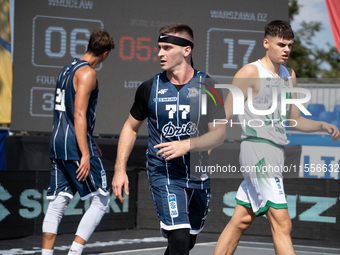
<point x="120" y="180"/>
<point x="332" y="130"/>
<point x="84" y="168"/>
<point x="173" y="149"/>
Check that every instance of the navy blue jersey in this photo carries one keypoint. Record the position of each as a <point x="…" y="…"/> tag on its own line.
<point x="175" y="115"/>
<point x="63" y="143"/>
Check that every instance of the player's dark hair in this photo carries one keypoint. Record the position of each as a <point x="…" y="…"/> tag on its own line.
<point x="100" y="41"/>
<point x="279" y="28"/>
<point x="177" y="28"/>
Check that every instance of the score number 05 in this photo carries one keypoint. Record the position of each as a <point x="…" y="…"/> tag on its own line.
<point x="128" y="46"/>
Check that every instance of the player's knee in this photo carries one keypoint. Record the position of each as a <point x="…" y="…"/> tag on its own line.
<point x="100" y="202"/>
<point x="54" y="214"/>
<point x="243" y="227"/>
<point x="179" y="241"/>
<point x="283" y="226"/>
<point x="245" y="222"/>
<point x="48" y="236"/>
<point x="192" y="241"/>
<point x="286" y="227"/>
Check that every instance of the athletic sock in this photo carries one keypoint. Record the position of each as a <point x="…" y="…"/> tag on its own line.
<point x="76" y="249"/>
<point x="46" y="252"/>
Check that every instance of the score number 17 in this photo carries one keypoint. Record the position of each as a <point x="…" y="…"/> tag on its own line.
<point x="251" y="45"/>
<point x="230" y="49"/>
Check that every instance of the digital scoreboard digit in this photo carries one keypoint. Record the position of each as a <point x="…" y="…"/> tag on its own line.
<point x="238" y="47"/>
<point x="57" y="39"/>
<point x="48" y="34"/>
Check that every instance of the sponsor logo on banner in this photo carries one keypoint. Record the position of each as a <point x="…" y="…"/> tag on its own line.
<point x="320" y="162"/>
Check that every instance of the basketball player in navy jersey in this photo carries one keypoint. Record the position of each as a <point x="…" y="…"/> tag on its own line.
<point x="179" y="138"/>
<point x="76" y="163"/>
<point x="262" y="192"/>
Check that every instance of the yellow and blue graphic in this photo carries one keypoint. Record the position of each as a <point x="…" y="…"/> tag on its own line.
<point x="5" y="64"/>
<point x="210" y="94"/>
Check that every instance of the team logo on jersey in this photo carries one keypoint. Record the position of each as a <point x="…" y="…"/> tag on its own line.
<point x="104" y="182"/>
<point x="162" y="91"/>
<point x="173" y="205"/>
<point x="164" y="99"/>
<point x="273" y="83"/>
<point x="279" y="186"/>
<point x="286" y="80"/>
<point x="170" y="130"/>
<point x="271" y="86"/>
<point x="193" y="92"/>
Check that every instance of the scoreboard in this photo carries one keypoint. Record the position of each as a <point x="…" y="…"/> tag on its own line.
<point x="48" y="34"/>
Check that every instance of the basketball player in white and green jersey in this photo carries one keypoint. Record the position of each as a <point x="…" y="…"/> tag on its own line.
<point x="262" y="192"/>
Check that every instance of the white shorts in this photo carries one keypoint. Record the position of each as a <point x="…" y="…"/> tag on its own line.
<point x="262" y="187"/>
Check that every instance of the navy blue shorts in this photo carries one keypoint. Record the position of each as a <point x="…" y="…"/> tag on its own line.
<point x="64" y="179"/>
<point x="180" y="207"/>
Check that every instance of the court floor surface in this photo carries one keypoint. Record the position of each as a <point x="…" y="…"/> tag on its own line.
<point x="150" y="242"/>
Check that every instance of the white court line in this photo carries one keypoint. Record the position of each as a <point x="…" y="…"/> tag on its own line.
<point x="313" y="252"/>
<point x="255" y="248"/>
<point x="150" y="249"/>
<point x="317" y="247"/>
<point x="245" y="242"/>
<point x="128" y="251"/>
<point x="301" y="246"/>
<point x="209" y="243"/>
<point x="272" y="249"/>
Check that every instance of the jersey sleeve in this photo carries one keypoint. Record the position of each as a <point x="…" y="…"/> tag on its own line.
<point x="139" y="109"/>
<point x="215" y="111"/>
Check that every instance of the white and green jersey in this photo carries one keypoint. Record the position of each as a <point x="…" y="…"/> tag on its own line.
<point x="271" y="127"/>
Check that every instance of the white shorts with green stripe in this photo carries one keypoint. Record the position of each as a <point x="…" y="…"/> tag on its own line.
<point x="262" y="187"/>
